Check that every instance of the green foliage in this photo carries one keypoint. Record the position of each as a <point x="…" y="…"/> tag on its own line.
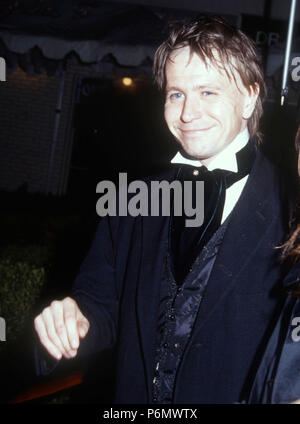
<point x="23" y="275"/>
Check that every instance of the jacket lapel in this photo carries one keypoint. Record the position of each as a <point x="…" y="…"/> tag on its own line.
<point x="249" y="222"/>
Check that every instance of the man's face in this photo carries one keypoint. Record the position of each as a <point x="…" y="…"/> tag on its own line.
<point x="204" y="109"/>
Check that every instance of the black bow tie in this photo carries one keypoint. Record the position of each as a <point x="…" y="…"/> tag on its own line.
<point x="187" y="242"/>
<point x="244" y="157"/>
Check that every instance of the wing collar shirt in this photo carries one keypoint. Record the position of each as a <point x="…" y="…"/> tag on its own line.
<point x="226" y="160"/>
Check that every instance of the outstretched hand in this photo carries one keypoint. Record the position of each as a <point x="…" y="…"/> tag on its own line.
<point x="60" y="326"/>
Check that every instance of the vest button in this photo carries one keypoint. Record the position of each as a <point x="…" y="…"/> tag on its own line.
<point x="172" y="317"/>
<point x="195" y="172"/>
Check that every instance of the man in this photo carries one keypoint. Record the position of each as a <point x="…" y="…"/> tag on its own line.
<point x="190" y="309"/>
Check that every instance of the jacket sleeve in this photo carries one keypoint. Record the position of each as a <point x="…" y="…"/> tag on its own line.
<point x="97" y="295"/>
<point x="95" y="289"/>
<point x="277" y="379"/>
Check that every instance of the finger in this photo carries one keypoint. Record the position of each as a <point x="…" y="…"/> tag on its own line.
<point x="53" y="320"/>
<point x="56" y="327"/>
<point x="44" y="339"/>
<point x="70" y="319"/>
<point x="83" y="324"/>
<point x="50" y="316"/>
<point x="83" y="328"/>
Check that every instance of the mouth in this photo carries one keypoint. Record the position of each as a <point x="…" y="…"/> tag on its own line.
<point x="195" y="131"/>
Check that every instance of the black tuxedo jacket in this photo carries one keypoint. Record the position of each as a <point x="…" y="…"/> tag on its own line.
<point x="118" y="290"/>
<point x="277" y="379"/>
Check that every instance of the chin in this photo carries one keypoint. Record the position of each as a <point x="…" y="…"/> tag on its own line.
<point x="193" y="153"/>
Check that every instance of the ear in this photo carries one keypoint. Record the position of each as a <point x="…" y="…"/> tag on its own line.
<point x="250" y="100"/>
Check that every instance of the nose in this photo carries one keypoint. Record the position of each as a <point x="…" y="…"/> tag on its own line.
<point x="191" y="110"/>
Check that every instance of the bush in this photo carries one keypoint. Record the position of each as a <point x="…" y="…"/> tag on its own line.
<point x="23" y="276"/>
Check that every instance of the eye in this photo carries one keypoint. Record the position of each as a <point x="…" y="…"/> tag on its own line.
<point x="207" y="93"/>
<point x="176" y="96"/>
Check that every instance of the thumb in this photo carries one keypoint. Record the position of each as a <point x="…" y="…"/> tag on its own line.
<point x="83" y="328"/>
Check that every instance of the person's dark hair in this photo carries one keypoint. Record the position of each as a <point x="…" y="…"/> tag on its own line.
<point x="291" y="249"/>
<point x="215" y="40"/>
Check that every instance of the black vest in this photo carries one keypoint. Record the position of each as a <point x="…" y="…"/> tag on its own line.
<point x="178" y="308"/>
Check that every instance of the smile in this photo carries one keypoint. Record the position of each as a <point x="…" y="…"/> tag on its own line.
<point x="195" y="131"/>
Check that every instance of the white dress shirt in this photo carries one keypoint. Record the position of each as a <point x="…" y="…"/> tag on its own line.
<point x="226" y="159"/>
